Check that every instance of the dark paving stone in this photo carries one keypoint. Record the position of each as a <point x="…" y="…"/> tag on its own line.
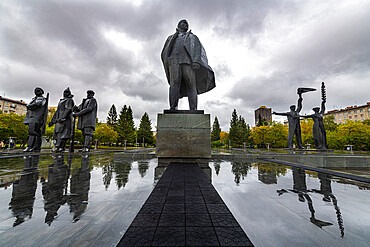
<point x="156" y="199"/>
<point x="194" y="199"/>
<point x="217" y="209"/>
<point x="197" y="208"/>
<point x="223" y="220"/>
<point x="193" y="193"/>
<point x="169" y="236"/>
<point x="146" y="220"/>
<point x="201" y="236"/>
<point x="198" y="220"/>
<point x="151" y="208"/>
<point x="175" y="200"/>
<point x="173" y="208"/>
<point x="172" y="220"/>
<point x="176" y="193"/>
<point x="232" y="236"/>
<point x="137" y="236"/>
<point x="184" y="208"/>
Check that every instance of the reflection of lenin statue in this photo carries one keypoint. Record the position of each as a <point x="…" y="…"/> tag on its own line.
<point x="186" y="66"/>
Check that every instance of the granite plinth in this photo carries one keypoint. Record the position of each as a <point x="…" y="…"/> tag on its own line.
<point x="183" y="136"/>
<point x="183" y="111"/>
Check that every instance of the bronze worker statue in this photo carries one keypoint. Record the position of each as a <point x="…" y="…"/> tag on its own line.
<point x="63" y="119"/>
<point x="36" y="116"/>
<point x="294" y="123"/>
<point x="186" y="65"/>
<point x="87" y="113"/>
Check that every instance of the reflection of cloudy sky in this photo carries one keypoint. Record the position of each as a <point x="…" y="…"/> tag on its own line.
<point x="261" y="52"/>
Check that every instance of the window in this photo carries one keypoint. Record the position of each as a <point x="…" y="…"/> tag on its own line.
<point x="355" y="111"/>
<point x="339" y="114"/>
<point x="340" y="122"/>
<point x="355" y="116"/>
<point x="361" y="110"/>
<point x="345" y="117"/>
<point x="362" y="115"/>
<point x="340" y="118"/>
<point x="6" y="111"/>
<point x="6" y="106"/>
<point x="344" y="113"/>
<point x="350" y="112"/>
<point x="350" y="117"/>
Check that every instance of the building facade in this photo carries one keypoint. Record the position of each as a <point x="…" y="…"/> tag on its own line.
<point x="8" y="106"/>
<point x="353" y="113"/>
<point x="265" y="114"/>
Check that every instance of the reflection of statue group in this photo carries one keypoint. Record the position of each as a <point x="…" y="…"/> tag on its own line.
<point x="319" y="133"/>
<point x="63" y="119"/>
<point x="54" y="188"/>
<point x="300" y="188"/>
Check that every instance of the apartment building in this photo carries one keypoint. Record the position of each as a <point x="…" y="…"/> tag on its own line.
<point x="353" y="113"/>
<point x="13" y="106"/>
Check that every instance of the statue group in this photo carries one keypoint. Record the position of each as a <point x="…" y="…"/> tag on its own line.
<point x="319" y="133"/>
<point x="63" y="119"/>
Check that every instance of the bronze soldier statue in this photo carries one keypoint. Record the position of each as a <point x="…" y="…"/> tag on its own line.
<point x="186" y="66"/>
<point x="86" y="113"/>
<point x="35" y="118"/>
<point x="63" y="121"/>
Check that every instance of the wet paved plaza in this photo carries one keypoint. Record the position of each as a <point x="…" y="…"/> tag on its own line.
<point x="91" y="200"/>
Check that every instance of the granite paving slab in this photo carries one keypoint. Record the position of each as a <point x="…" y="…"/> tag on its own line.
<point x="184" y="209"/>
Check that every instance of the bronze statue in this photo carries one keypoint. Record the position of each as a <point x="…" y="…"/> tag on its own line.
<point x="63" y="121"/>
<point x="186" y="66"/>
<point x="86" y="113"/>
<point x="294" y="122"/>
<point x="319" y="133"/>
<point x="36" y="116"/>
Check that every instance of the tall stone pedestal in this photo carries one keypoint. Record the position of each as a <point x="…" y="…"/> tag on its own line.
<point x="183" y="135"/>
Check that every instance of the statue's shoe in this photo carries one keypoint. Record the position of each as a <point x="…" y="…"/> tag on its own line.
<point x="28" y="149"/>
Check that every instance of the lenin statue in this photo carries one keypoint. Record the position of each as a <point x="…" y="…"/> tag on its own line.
<point x="63" y="121"/>
<point x="37" y="111"/>
<point x="86" y="113"/>
<point x="186" y="66"/>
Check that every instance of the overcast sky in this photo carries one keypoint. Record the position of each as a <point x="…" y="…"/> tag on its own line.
<point x="260" y="51"/>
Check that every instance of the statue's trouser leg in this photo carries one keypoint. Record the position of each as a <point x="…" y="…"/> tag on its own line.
<point x="175" y="84"/>
<point x="290" y="137"/>
<point x="34" y="140"/>
<point x="191" y="85"/>
<point x="298" y="135"/>
<point x="87" y="132"/>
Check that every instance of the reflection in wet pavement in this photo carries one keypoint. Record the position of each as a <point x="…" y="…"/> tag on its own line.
<point x="62" y="200"/>
<point x="90" y="200"/>
<point x="281" y="206"/>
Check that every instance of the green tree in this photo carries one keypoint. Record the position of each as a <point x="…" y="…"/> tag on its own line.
<point x="216" y="130"/>
<point x="329" y="123"/>
<point x="261" y="136"/>
<point x="112" y="117"/>
<point x="125" y="126"/>
<point x="145" y="129"/>
<point x="105" y="133"/>
<point x="233" y="132"/>
<point x="244" y="131"/>
<point x="278" y="135"/>
<point x="261" y="121"/>
<point x="11" y="125"/>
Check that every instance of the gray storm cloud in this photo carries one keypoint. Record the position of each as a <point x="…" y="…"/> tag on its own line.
<point x="59" y="44"/>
